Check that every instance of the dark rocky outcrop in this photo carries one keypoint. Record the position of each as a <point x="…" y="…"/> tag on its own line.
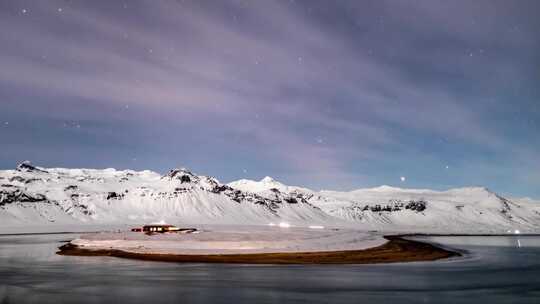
<point x="114" y="195"/>
<point x="26" y="166"/>
<point x="417" y="206"/>
<point x="16" y="179"/>
<point x="17" y="195"/>
<point x="390" y="206"/>
<point x="71" y="188"/>
<point x="184" y="175"/>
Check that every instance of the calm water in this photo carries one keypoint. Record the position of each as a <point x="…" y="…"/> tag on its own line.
<point x="497" y="270"/>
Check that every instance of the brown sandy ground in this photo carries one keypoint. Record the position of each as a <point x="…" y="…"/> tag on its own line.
<point x="397" y="249"/>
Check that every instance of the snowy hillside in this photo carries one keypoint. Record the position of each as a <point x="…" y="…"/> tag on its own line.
<point x="463" y="210"/>
<point x="475" y="209"/>
<point x="32" y="195"/>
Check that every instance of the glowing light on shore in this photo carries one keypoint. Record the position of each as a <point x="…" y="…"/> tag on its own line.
<point x="517" y="231"/>
<point x="315" y="227"/>
<point x="271" y="224"/>
<point x="284" y="225"/>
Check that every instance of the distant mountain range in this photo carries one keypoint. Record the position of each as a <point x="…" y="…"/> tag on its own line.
<point x="31" y="195"/>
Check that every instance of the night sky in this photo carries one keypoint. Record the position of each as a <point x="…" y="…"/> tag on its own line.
<point x="324" y="94"/>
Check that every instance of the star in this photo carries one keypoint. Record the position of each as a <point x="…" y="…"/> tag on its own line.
<point x="24" y="11"/>
<point x="402" y="178"/>
<point x="447" y="167"/>
<point x="60" y="9"/>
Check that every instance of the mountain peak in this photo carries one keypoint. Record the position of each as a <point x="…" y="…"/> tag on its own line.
<point x="181" y="174"/>
<point x="268" y="179"/>
<point x="26" y="166"/>
<point x="386" y="188"/>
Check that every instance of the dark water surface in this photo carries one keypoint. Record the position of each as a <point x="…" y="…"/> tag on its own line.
<point x="497" y="270"/>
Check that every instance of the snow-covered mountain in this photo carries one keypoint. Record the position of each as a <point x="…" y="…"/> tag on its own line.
<point x="32" y="195"/>
<point x="464" y="209"/>
<point x="472" y="209"/>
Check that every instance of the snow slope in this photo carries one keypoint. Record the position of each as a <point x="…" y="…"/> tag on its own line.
<point x="34" y="196"/>
<point x="264" y="184"/>
<point x="463" y="210"/>
<point x="232" y="240"/>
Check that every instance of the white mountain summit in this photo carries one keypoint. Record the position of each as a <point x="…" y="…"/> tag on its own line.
<point x="264" y="184"/>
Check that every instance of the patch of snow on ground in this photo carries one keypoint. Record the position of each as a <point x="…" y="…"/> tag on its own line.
<point x="234" y="240"/>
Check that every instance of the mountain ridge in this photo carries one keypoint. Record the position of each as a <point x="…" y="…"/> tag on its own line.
<point x="31" y="194"/>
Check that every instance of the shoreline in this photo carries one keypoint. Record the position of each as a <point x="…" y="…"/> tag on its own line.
<point x="397" y="249"/>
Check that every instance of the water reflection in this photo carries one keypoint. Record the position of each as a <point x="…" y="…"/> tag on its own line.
<point x="497" y="270"/>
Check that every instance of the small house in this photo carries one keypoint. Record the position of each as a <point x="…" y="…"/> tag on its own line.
<point x="159" y="228"/>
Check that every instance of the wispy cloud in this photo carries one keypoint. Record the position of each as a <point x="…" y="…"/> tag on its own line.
<point x="312" y="88"/>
